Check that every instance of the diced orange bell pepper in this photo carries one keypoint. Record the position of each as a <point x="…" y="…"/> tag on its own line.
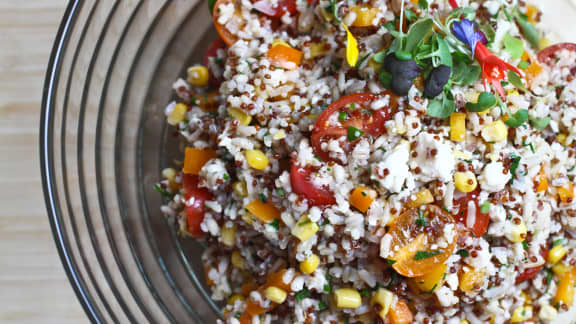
<point x="566" y="193"/>
<point x="284" y="56"/>
<point x="541" y="181"/>
<point x="532" y="13"/>
<point x="248" y="287"/>
<point x="254" y="309"/>
<point x="400" y="313"/>
<point x="209" y="281"/>
<point x="194" y="159"/>
<point x="364" y="15"/>
<point x="361" y="198"/>
<point x="471" y="279"/>
<point x="245" y="318"/>
<point x="208" y="102"/>
<point x="264" y="211"/>
<point x="565" y="291"/>
<point x="534" y="69"/>
<point x="276" y="279"/>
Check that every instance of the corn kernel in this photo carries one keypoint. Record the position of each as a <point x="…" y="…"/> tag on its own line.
<point x="317" y="49"/>
<point x="198" y="75"/>
<point x="561" y="138"/>
<point x="521" y="314"/>
<point x="228" y="235"/>
<point x="237" y="260"/>
<point x="279" y="135"/>
<point x="384" y="298"/>
<point x="242" y="117"/>
<point x="518" y="233"/>
<point x="548" y="313"/>
<point x="232" y="300"/>
<point x="305" y="228"/>
<point x="495" y="132"/>
<point x="465" y="181"/>
<point x="256" y="159"/>
<point x="432" y="280"/>
<point x="178" y="114"/>
<point x="560" y="268"/>
<point x="169" y="174"/>
<point x="310" y="263"/>
<point x="556" y="254"/>
<point x="565" y="291"/>
<point x="458" y="127"/>
<point x="421" y="198"/>
<point x="347" y="298"/>
<point x="240" y="189"/>
<point x="543" y="43"/>
<point x="275" y="294"/>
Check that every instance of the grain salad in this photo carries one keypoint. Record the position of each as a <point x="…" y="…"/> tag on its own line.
<point x="379" y="161"/>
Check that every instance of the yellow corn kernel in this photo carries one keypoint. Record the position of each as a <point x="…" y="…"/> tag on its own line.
<point x="242" y="117"/>
<point x="305" y="228"/>
<point x="237" y="260"/>
<point x="247" y="218"/>
<point x="421" y="198"/>
<point x="239" y="188"/>
<point x="565" y="290"/>
<point x="232" y="300"/>
<point x="471" y="280"/>
<point x="364" y="15"/>
<point x="317" y="49"/>
<point x="465" y="181"/>
<point x="495" y="132"/>
<point x="548" y="313"/>
<point x="169" y="174"/>
<point x="309" y="264"/>
<point x="178" y="114"/>
<point x="275" y="294"/>
<point x="556" y="254"/>
<point x="517" y="233"/>
<point x="560" y="268"/>
<point x="384" y="298"/>
<point x="197" y="75"/>
<point x="543" y="43"/>
<point x="347" y="298"/>
<point x="278" y="41"/>
<point x="432" y="280"/>
<point x="464" y="322"/>
<point x="561" y="138"/>
<point x="521" y="314"/>
<point x="566" y="193"/>
<point x="458" y="127"/>
<point x="279" y="135"/>
<point x="228" y="235"/>
<point x="256" y="159"/>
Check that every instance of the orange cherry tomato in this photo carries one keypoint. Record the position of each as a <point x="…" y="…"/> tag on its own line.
<point x="228" y="37"/>
<point x="419" y="242"/>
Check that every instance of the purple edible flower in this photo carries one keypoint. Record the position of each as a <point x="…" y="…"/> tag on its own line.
<point x="468" y="32"/>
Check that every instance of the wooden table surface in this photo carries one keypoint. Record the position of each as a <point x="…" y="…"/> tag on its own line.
<point x="33" y="285"/>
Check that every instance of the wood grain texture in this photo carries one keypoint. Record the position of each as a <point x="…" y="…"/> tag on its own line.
<point x="33" y="285"/>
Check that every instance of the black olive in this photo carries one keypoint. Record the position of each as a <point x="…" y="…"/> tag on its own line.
<point x="400" y="86"/>
<point x="406" y="69"/>
<point x="436" y="81"/>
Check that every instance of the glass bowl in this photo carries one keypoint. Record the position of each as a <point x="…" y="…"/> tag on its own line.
<point x="104" y="141"/>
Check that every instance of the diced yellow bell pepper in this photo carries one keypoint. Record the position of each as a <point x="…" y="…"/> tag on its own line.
<point x="242" y="117"/>
<point x="365" y="15"/>
<point x="495" y="132"/>
<point x="304" y="228"/>
<point x="458" y="127"/>
<point x="421" y="198"/>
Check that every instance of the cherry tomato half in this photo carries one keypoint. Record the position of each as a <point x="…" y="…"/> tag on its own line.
<point x="195" y="211"/>
<point x="300" y="178"/>
<point x="419" y="243"/>
<point x="349" y="113"/>
<point x="531" y="272"/>
<point x="283" y="7"/>
<point x="481" y="221"/>
<point x="549" y="54"/>
<point x="212" y="52"/>
<point x="224" y="33"/>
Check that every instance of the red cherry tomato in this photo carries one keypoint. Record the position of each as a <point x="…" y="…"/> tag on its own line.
<point x="195" y="211"/>
<point x="349" y="111"/>
<point x="283" y="7"/>
<point x="212" y="52"/>
<point x="300" y="178"/>
<point x="531" y="272"/>
<point x="481" y="220"/>
<point x="549" y="54"/>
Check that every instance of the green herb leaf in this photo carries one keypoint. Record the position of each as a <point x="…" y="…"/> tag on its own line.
<point x="379" y="57"/>
<point x="463" y="72"/>
<point x="516" y="81"/>
<point x="360" y="61"/>
<point x="444" y="108"/>
<point x="527" y="29"/>
<point x="385" y="78"/>
<point x="514" y="46"/>
<point x="444" y="52"/>
<point x="540" y="123"/>
<point x="322" y="306"/>
<point x="354" y="133"/>
<point x="486" y="100"/>
<point x="365" y="292"/>
<point x="342" y="116"/>
<point x="410" y="15"/>
<point x="262" y="197"/>
<point x="420" y="221"/>
<point x="559" y="242"/>
<point x="549" y="276"/>
<point x="421" y="255"/>
<point x="463" y="253"/>
<point x="238" y="315"/>
<point x="302" y="294"/>
<point x="417" y="33"/>
<point x="280" y="192"/>
<point x="275" y="224"/>
<point x="514" y="166"/>
<point x="211" y="4"/>
<point x="485" y="207"/>
<point x="423" y="4"/>
<point x="327" y="288"/>
<point x="163" y="191"/>
<point x="390" y="262"/>
<point x="517" y="119"/>
<point x="525" y="245"/>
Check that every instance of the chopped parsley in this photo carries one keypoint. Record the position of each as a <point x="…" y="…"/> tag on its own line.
<point x="322" y="305"/>
<point x="342" y="116"/>
<point x="525" y="245"/>
<point x="302" y="294"/>
<point x="514" y="166"/>
<point x="463" y="253"/>
<point x="163" y="191"/>
<point x="275" y="224"/>
<point x="238" y="315"/>
<point x="421" y="255"/>
<point x="262" y="197"/>
<point x="365" y="292"/>
<point x="390" y="261"/>
<point x="226" y="177"/>
<point x="420" y="221"/>
<point x="549" y="276"/>
<point x="530" y="145"/>
<point x="280" y="192"/>
<point x="559" y="242"/>
<point x="485" y="207"/>
<point x="354" y="133"/>
<point x="327" y="288"/>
